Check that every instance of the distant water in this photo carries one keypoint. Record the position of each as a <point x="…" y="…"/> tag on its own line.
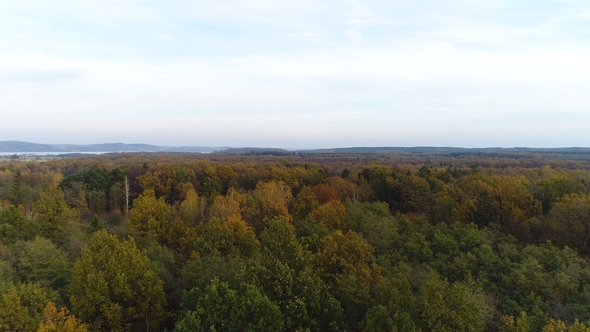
<point x="72" y="152"/>
<point x="50" y="153"/>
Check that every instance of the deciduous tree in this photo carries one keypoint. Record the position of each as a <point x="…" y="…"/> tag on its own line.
<point x="115" y="287"/>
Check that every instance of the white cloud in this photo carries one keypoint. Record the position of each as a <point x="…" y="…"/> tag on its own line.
<point x="163" y="36"/>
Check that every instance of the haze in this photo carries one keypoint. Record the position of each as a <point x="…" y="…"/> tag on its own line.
<point x="296" y="74"/>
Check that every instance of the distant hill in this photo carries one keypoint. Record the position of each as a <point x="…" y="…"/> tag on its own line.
<point x="258" y="151"/>
<point x="436" y="149"/>
<point x="24" y="147"/>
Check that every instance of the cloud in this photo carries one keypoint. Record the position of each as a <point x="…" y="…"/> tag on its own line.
<point x="163" y="36"/>
<point x="354" y="34"/>
<point x="37" y="75"/>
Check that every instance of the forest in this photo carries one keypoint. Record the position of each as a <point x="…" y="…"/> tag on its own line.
<point x="391" y="241"/>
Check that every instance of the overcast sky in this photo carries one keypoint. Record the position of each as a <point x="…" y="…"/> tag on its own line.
<point x="296" y="74"/>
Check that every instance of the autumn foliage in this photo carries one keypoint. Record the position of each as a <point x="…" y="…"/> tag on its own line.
<point x="301" y="242"/>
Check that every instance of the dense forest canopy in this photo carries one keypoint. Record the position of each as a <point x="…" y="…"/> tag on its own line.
<point x="388" y="241"/>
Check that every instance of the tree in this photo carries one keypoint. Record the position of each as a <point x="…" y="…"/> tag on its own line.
<point x="285" y="274"/>
<point x="436" y="306"/>
<point x="14" y="226"/>
<point x="127" y="189"/>
<point x="225" y="206"/>
<point x="16" y="190"/>
<point x="268" y="200"/>
<point x="53" y="211"/>
<point x="60" y="320"/>
<point x="149" y="215"/>
<point x="21" y="307"/>
<point x="569" y="221"/>
<point x="42" y="262"/>
<point x="190" y="207"/>
<point x="450" y="307"/>
<point x="345" y="265"/>
<point x="160" y="181"/>
<point x="75" y="195"/>
<point x="304" y="203"/>
<point x="13" y="315"/>
<point x="394" y="307"/>
<point x="325" y="193"/>
<point x="332" y="214"/>
<point x="220" y="308"/>
<point x="116" y="287"/>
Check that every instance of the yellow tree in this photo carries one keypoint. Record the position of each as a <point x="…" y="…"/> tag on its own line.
<point x="332" y="214"/>
<point x="149" y="215"/>
<point x="60" y="320"/>
<point x="191" y="207"/>
<point x="225" y="206"/>
<point x="161" y="180"/>
<point x="269" y="200"/>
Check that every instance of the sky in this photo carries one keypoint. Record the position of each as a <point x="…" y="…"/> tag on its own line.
<point x="296" y="74"/>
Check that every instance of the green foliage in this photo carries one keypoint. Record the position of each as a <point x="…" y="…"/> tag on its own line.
<point x="345" y="264"/>
<point x="304" y="203"/>
<point x="569" y="222"/>
<point x="436" y="305"/>
<point x="285" y="274"/>
<point x="390" y="242"/>
<point x="21" y="306"/>
<point x="198" y="271"/>
<point x="40" y="261"/>
<point x="14" y="226"/>
<point x="92" y="189"/>
<point x="16" y="189"/>
<point x="115" y="287"/>
<point x="53" y="212"/>
<point x="220" y="308"/>
<point x="228" y="237"/>
<point x="150" y="215"/>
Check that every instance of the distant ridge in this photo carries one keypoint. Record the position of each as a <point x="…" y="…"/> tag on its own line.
<point x="24" y="147"/>
<point x="435" y="149"/>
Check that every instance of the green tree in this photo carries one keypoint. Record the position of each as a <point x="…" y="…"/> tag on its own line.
<point x="150" y="215"/>
<point x="116" y="287"/>
<point x="21" y="306"/>
<point x="450" y="307"/>
<point x="14" y="226"/>
<point x="16" y="190"/>
<point x="304" y="203"/>
<point x="569" y="221"/>
<point x="53" y="211"/>
<point x="220" y="308"/>
<point x="394" y="307"/>
<point x="285" y="274"/>
<point x="345" y="264"/>
<point x="42" y="262"/>
<point x="13" y="315"/>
